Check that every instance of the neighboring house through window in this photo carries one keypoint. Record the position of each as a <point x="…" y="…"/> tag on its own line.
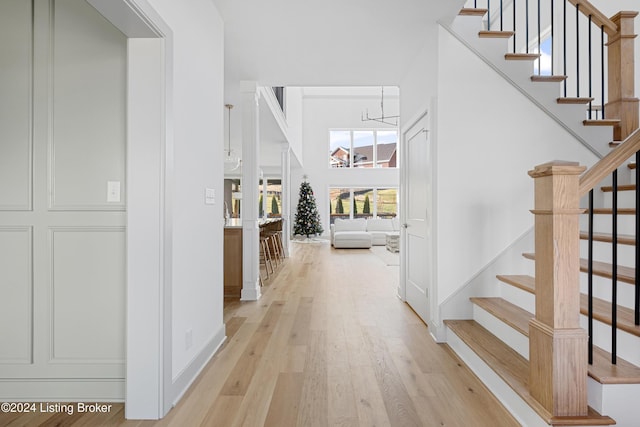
<point x="363" y="148"/>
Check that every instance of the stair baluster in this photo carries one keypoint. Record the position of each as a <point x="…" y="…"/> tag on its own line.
<point x="590" y="279"/>
<point x="570" y="59"/>
<point x="614" y="269"/>
<point x="564" y="44"/>
<point x="637" y="275"/>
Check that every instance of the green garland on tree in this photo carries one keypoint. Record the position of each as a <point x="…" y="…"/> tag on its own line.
<point x="307" y="218"/>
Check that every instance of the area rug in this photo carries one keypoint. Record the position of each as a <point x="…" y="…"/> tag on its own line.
<point x="316" y="240"/>
<point x="389" y="258"/>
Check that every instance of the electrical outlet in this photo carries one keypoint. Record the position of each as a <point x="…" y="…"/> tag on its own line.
<point x="113" y="191"/>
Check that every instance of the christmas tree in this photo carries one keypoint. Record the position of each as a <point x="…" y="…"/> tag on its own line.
<point x="307" y="219"/>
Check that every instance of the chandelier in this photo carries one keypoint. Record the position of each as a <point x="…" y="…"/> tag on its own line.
<point x="387" y="120"/>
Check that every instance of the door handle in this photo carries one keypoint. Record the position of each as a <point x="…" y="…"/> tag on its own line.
<point x="405" y="225"/>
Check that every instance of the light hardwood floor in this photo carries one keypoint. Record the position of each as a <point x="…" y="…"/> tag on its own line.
<point x="328" y="344"/>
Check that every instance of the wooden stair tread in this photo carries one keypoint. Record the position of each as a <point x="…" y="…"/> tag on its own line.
<point x="602" y="269"/>
<point x="602" y="122"/>
<point x="627" y="187"/>
<point x="509" y="313"/>
<point x="472" y="12"/>
<point x="623" y="239"/>
<point x="513" y="369"/>
<point x="609" y="211"/>
<point x="602" y="312"/>
<point x="521" y="56"/>
<point x="548" y="79"/>
<point x="495" y="34"/>
<point x="601" y="370"/>
<point x="565" y="100"/>
<point x="524" y="282"/>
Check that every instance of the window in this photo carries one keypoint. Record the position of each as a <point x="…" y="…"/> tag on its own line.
<point x="270" y="198"/>
<point x="339" y="147"/>
<point x="339" y="203"/>
<point x="363" y="155"/>
<point x="386" y="202"/>
<point x="363" y="148"/>
<point x="362" y="203"/>
<point x="274" y="198"/>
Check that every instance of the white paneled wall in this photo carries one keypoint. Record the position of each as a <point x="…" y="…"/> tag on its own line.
<point x="62" y="233"/>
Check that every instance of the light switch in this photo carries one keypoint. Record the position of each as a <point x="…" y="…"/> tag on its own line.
<point x="209" y="196"/>
<point x="113" y="191"/>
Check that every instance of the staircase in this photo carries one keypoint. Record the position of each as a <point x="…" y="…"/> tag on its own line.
<point x="496" y="342"/>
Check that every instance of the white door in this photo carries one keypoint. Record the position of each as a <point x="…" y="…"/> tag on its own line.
<point x="417" y="254"/>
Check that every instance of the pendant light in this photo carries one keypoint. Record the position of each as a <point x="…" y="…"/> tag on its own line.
<point x="231" y="159"/>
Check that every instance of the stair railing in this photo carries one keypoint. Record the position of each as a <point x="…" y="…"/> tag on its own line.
<point x="587" y="51"/>
<point x="609" y="165"/>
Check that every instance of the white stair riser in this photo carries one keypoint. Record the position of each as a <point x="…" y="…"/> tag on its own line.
<point x="523" y="299"/>
<point x="613" y="400"/>
<point x="619" y="401"/>
<point x="520" y="343"/>
<point x="602" y="251"/>
<point x="602" y="289"/>
<point x="603" y="223"/>
<point x="506" y="333"/>
<point x="505" y="394"/>
<point x="626" y="199"/>
<point x="627" y="345"/>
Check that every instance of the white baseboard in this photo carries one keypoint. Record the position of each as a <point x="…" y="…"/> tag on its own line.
<point x="188" y="375"/>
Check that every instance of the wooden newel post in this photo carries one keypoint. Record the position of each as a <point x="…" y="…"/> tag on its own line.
<point x="623" y="103"/>
<point x="557" y="344"/>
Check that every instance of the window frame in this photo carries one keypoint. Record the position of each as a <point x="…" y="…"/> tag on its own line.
<point x="372" y="200"/>
<point x="351" y="161"/>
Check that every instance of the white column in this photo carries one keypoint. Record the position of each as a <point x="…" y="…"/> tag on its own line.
<point x="264" y="196"/>
<point x="250" y="179"/>
<point x="286" y="199"/>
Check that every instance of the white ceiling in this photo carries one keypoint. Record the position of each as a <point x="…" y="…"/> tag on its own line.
<point x="326" y="42"/>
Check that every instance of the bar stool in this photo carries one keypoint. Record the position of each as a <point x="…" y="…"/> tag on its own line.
<point x="274" y="238"/>
<point x="266" y="257"/>
<point x="277" y="233"/>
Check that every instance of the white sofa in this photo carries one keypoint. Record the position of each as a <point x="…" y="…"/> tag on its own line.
<point x="362" y="233"/>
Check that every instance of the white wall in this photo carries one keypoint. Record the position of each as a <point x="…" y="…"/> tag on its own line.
<point x="488" y="136"/>
<point x="294" y="120"/>
<point x="197" y="164"/>
<point x="338" y="108"/>
<point x="421" y="81"/>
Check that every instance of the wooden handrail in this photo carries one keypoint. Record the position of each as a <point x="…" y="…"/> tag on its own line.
<point x="609" y="163"/>
<point x="598" y="18"/>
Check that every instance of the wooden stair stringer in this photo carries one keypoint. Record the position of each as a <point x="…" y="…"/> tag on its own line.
<point x="513" y="369"/>
<point x="518" y="73"/>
